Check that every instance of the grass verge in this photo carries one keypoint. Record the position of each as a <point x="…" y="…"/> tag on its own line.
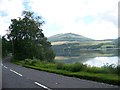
<point x="106" y="75"/>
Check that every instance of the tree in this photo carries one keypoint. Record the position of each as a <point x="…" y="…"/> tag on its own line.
<point x="6" y="46"/>
<point x="27" y="38"/>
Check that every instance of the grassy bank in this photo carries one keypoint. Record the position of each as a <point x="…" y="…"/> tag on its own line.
<point x="106" y="74"/>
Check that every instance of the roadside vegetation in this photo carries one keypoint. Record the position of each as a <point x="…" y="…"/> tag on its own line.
<point x="106" y="74"/>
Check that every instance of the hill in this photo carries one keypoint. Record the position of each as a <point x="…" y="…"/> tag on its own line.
<point x="68" y="37"/>
<point x="117" y="41"/>
<point x="70" y="43"/>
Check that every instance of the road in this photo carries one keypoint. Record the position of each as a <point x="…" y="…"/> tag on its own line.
<point x="14" y="76"/>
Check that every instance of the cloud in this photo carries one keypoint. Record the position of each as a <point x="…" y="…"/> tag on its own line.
<point x="97" y="19"/>
<point x="9" y="9"/>
<point x="94" y="18"/>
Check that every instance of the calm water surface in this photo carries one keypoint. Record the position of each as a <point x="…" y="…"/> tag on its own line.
<point x="91" y="58"/>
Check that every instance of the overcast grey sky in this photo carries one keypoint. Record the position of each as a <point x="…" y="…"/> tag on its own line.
<point x="96" y="19"/>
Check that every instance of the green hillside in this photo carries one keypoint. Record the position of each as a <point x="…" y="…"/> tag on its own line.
<point x="68" y="37"/>
<point x="69" y="42"/>
<point x="117" y="41"/>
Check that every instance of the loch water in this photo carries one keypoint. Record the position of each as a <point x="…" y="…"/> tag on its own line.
<point x="95" y="58"/>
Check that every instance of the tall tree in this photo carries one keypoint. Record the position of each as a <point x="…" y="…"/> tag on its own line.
<point x="27" y="38"/>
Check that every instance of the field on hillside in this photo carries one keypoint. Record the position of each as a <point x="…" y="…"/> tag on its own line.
<point x="87" y="45"/>
<point x="82" y="43"/>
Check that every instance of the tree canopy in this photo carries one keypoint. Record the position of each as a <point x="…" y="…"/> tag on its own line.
<point x="27" y="39"/>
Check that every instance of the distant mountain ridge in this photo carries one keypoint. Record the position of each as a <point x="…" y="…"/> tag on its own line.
<point x="68" y="37"/>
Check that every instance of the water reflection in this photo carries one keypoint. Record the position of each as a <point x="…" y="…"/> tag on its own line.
<point x="90" y="57"/>
<point x="100" y="61"/>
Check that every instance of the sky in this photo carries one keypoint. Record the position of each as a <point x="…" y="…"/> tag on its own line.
<point x="96" y="19"/>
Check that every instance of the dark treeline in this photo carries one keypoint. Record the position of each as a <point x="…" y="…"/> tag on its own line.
<point x="6" y="47"/>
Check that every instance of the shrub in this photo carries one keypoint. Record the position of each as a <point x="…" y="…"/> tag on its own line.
<point x="77" y="67"/>
<point x="110" y="68"/>
<point x="67" y="67"/>
<point x="33" y="62"/>
<point x="27" y="61"/>
<point x="96" y="70"/>
<point x="30" y="62"/>
<point x="118" y="69"/>
<point x="59" y="65"/>
<point x="71" y="67"/>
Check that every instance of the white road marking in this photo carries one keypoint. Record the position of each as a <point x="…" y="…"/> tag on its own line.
<point x="5" y="67"/>
<point x="16" y="72"/>
<point x="42" y="86"/>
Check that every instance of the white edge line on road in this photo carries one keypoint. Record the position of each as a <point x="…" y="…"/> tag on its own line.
<point x="16" y="72"/>
<point x="42" y="86"/>
<point x="5" y="67"/>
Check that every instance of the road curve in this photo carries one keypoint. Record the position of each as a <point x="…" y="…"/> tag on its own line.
<point x="14" y="76"/>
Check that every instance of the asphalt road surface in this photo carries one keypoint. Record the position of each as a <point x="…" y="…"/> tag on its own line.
<point x="14" y="76"/>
